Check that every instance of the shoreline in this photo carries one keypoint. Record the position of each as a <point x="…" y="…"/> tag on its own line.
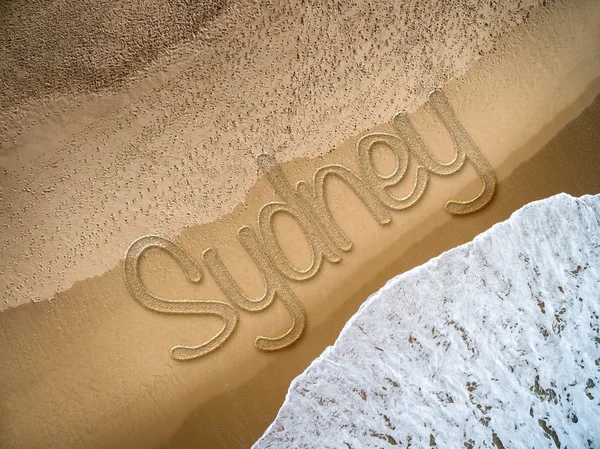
<point x="96" y="353"/>
<point x="202" y="424"/>
<point x="394" y="260"/>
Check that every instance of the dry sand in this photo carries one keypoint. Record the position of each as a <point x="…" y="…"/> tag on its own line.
<point x="91" y="367"/>
<point x="85" y="170"/>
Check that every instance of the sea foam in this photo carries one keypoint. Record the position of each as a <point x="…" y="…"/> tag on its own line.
<point x="495" y="343"/>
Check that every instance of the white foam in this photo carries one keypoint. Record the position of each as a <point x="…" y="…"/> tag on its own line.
<point x="495" y="343"/>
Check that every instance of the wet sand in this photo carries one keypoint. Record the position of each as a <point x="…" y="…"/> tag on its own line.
<point x="91" y="367"/>
<point x="568" y="163"/>
<point x="237" y="417"/>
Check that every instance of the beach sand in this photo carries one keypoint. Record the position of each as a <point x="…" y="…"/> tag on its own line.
<point x="90" y="367"/>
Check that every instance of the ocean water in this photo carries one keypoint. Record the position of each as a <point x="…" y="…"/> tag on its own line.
<point x="493" y="344"/>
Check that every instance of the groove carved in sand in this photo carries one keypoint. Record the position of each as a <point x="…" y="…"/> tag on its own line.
<point x="309" y="207"/>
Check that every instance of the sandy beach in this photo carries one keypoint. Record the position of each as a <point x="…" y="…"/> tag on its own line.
<point x="91" y="367"/>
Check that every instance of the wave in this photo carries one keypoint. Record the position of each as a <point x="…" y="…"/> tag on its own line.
<point x="495" y="343"/>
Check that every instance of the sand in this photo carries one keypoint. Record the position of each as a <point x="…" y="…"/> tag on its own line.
<point x="96" y="364"/>
<point x="172" y="144"/>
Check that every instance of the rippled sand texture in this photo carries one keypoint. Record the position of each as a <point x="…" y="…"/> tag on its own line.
<point x="172" y="152"/>
<point x="95" y="153"/>
<point x="51" y="48"/>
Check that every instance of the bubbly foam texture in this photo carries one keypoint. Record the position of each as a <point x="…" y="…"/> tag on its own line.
<point x="493" y="344"/>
